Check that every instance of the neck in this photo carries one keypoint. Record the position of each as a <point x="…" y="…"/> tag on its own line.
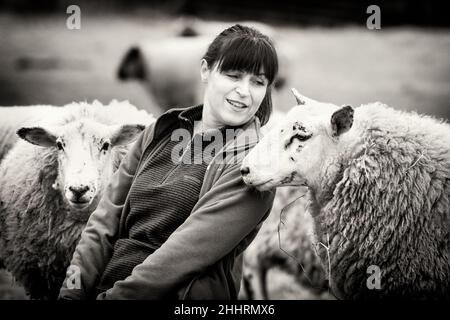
<point x="324" y="186"/>
<point x="208" y="122"/>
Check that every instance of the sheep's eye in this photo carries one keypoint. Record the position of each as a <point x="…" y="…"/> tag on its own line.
<point x="299" y="137"/>
<point x="105" y="146"/>
<point x="302" y="137"/>
<point x="59" y="145"/>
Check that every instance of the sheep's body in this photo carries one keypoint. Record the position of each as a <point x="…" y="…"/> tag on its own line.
<point x="38" y="229"/>
<point x="379" y="194"/>
<point x="388" y="206"/>
<point x="285" y="241"/>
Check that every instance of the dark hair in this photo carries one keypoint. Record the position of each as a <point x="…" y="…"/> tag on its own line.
<point x="246" y="49"/>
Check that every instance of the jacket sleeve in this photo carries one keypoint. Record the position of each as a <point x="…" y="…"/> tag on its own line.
<point x="221" y="219"/>
<point x="94" y="249"/>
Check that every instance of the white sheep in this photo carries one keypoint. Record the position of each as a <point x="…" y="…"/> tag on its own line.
<point x="379" y="192"/>
<point x="52" y="180"/>
<point x="169" y="68"/>
<point x="283" y="242"/>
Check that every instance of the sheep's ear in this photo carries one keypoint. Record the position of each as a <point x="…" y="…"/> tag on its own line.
<point x="279" y="83"/>
<point x="37" y="136"/>
<point x="341" y="121"/>
<point x="298" y="97"/>
<point x="132" y="65"/>
<point x="126" y="134"/>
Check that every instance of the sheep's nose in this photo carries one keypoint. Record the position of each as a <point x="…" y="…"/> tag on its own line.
<point x="245" y="171"/>
<point x="78" y="192"/>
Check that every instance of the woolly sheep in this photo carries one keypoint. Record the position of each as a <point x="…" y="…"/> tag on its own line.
<point x="285" y="242"/>
<point x="169" y="68"/>
<point x="292" y="251"/>
<point x="52" y="180"/>
<point x="379" y="188"/>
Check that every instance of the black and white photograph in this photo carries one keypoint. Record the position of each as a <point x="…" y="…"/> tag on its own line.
<point x="245" y="152"/>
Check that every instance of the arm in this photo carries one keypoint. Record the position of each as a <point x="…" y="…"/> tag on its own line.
<point x="218" y="223"/>
<point x="97" y="239"/>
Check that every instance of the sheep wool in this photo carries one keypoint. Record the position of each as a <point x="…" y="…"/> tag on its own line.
<point x="384" y="206"/>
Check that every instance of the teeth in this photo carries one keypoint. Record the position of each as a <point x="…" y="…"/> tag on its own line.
<point x="236" y="104"/>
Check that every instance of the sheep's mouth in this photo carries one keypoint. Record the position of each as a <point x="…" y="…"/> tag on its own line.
<point x="261" y="186"/>
<point x="79" y="204"/>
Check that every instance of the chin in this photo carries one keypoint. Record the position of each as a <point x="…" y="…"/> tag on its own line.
<point x="235" y="121"/>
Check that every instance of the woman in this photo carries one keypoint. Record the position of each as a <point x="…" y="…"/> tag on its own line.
<point x="176" y="226"/>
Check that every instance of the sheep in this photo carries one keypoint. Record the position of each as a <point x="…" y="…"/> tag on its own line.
<point x="379" y="194"/>
<point x="284" y="241"/>
<point x="52" y="180"/>
<point x="172" y="78"/>
<point x="275" y="245"/>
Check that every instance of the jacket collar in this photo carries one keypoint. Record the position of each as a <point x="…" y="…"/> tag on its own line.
<point x="244" y="136"/>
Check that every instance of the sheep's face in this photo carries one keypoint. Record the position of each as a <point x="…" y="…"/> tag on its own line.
<point x="85" y="156"/>
<point x="297" y="150"/>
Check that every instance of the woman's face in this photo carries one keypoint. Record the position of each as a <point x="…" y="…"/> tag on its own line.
<point x="231" y="97"/>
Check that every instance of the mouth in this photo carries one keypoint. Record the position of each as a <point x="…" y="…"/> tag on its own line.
<point x="263" y="186"/>
<point x="79" y="204"/>
<point x="237" y="105"/>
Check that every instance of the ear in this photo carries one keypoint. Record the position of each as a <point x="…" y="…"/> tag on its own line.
<point x="279" y="83"/>
<point x="126" y="134"/>
<point x="298" y="97"/>
<point x="189" y="31"/>
<point x="37" y="136"/>
<point x="132" y="65"/>
<point x="204" y="70"/>
<point x="341" y="121"/>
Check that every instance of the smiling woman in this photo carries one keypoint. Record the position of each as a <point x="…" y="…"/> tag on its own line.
<point x="238" y="72"/>
<point x="172" y="227"/>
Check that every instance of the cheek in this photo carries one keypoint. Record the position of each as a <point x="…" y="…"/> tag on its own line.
<point x="258" y="96"/>
<point x="62" y="163"/>
<point x="219" y="86"/>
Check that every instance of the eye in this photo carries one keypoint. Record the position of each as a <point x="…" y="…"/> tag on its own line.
<point x="302" y="137"/>
<point x="299" y="137"/>
<point x="232" y="75"/>
<point x="105" y="146"/>
<point x="291" y="158"/>
<point x="260" y="81"/>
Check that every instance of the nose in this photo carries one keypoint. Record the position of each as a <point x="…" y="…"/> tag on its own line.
<point x="245" y="171"/>
<point x="243" y="88"/>
<point x="78" y="192"/>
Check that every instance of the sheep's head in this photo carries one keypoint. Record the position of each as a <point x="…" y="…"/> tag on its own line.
<point x="85" y="151"/>
<point x="296" y="151"/>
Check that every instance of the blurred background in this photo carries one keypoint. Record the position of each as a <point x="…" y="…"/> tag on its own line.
<point x="329" y="52"/>
<point x="148" y="52"/>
